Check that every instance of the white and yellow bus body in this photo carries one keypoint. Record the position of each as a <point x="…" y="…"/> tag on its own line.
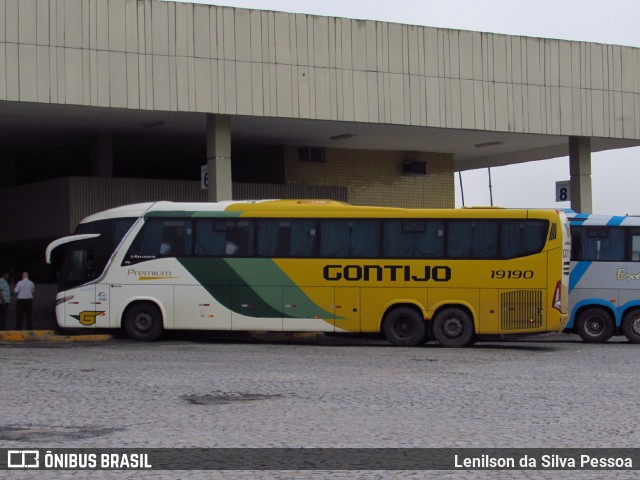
<point x="287" y="265"/>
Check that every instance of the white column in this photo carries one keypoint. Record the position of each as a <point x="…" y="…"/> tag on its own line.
<point x="219" y="157"/>
<point x="580" y="171"/>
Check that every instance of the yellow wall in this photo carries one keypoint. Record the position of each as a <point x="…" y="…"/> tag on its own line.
<point x="375" y="177"/>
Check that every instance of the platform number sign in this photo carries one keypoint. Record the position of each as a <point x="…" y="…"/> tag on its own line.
<point x="204" y="177"/>
<point x="563" y="191"/>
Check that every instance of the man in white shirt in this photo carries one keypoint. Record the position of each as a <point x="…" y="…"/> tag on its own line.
<point x="24" y="307"/>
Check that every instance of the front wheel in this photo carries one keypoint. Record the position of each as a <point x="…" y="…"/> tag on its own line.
<point x="594" y="325"/>
<point x="143" y="322"/>
<point x="453" y="327"/>
<point x="405" y="327"/>
<point x="631" y="325"/>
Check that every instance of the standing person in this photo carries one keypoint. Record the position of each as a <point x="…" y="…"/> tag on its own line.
<point x="24" y="291"/>
<point x="5" y="299"/>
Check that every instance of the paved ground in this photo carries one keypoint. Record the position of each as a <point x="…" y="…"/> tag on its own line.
<point x="320" y="393"/>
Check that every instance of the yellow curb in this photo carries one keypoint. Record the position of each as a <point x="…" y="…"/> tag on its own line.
<point x="49" y="336"/>
<point x="80" y="338"/>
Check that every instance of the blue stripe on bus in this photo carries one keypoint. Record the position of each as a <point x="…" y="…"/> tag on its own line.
<point x="615" y="221"/>
<point x="577" y="273"/>
<point x="579" y="219"/>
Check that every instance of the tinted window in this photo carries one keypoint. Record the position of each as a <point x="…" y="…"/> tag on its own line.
<point x="635" y="245"/>
<point x="81" y="264"/>
<point x="413" y="239"/>
<point x="286" y="238"/>
<point x="519" y="238"/>
<point x="224" y="238"/>
<point x="161" y="237"/>
<point x="86" y="260"/>
<point x="111" y="231"/>
<point x="349" y="238"/>
<point x="598" y="244"/>
<point x="472" y="239"/>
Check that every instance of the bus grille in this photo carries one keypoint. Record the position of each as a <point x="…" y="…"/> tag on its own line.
<point x="521" y="310"/>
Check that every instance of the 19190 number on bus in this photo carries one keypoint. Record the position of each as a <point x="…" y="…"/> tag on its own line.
<point x="512" y="274"/>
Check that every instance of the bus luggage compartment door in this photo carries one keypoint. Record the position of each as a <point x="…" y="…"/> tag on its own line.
<point x="347" y="309"/>
<point x="308" y="309"/>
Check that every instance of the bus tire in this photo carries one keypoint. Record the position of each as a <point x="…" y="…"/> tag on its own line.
<point x="631" y="325"/>
<point x="143" y="322"/>
<point x="453" y="327"/>
<point x="404" y="327"/>
<point x="594" y="325"/>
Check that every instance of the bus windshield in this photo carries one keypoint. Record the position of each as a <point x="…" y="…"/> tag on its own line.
<point x="85" y="260"/>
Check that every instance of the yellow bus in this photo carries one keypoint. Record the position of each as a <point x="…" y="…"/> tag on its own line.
<point x="310" y="265"/>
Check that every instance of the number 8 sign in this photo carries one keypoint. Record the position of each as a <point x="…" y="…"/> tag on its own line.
<point x="563" y="191"/>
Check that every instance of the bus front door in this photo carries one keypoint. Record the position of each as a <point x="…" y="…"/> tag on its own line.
<point x="81" y="267"/>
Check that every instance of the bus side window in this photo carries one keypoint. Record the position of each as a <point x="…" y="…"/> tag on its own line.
<point x="576" y="244"/>
<point x="240" y="239"/>
<point x="612" y="246"/>
<point x="520" y="238"/>
<point x="161" y="238"/>
<point x="334" y="238"/>
<point x="210" y="241"/>
<point x="176" y="238"/>
<point x="472" y="239"/>
<point x="365" y="238"/>
<point x="303" y="241"/>
<point x="635" y="245"/>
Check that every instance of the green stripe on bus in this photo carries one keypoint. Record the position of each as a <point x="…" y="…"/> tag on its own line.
<point x="256" y="285"/>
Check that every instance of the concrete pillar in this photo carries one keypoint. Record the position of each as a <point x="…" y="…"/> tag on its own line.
<point x="219" y="157"/>
<point x="102" y="155"/>
<point x="580" y="171"/>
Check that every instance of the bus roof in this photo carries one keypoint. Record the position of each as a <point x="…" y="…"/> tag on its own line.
<point x="139" y="209"/>
<point x="296" y="207"/>
<point x="586" y="219"/>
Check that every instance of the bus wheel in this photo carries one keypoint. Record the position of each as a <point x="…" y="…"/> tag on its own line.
<point x="453" y="327"/>
<point x="143" y="322"/>
<point x="594" y="325"/>
<point x="631" y="325"/>
<point x="404" y="327"/>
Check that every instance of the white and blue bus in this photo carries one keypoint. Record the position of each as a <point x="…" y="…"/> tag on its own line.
<point x="604" y="284"/>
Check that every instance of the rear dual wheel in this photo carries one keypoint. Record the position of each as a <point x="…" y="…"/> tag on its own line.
<point x="453" y="327"/>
